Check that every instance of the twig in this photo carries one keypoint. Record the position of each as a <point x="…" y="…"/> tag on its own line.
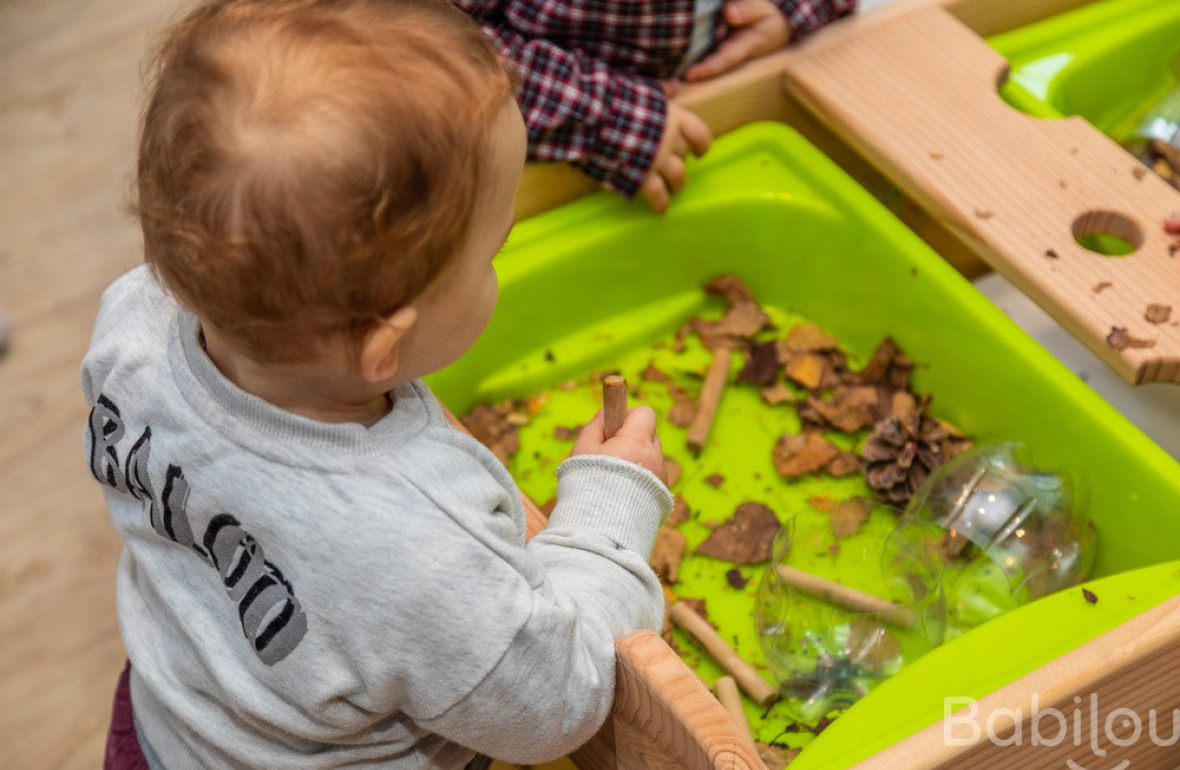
<point x="762" y="692"/>
<point x="727" y="692"/>
<point x="843" y="596"/>
<point x="614" y="404"/>
<point x="711" y="392"/>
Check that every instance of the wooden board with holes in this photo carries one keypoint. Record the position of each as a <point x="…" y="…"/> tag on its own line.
<point x="918" y="99"/>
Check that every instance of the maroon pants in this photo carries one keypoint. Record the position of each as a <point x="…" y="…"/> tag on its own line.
<point x="123" y="752"/>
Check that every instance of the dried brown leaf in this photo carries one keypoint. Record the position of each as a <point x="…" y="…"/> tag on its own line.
<point x="799" y="455"/>
<point x="761" y="366"/>
<point x="683" y="410"/>
<point x="680" y="511"/>
<point x="777" y="393"/>
<point x="847" y="516"/>
<point x="775" y="757"/>
<point x="747" y="538"/>
<point x="806" y="338"/>
<point x="809" y="370"/>
<point x="843" y="464"/>
<point x="715" y="480"/>
<point x="653" y="374"/>
<point x="491" y="426"/>
<point x="667" y="553"/>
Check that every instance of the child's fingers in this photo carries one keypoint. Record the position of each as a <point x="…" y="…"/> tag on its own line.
<point x="640" y="424"/>
<point x="672" y="170"/>
<point x="591" y="436"/>
<point x="740" y="13"/>
<point x="732" y="52"/>
<point x="696" y="131"/>
<point x="655" y="192"/>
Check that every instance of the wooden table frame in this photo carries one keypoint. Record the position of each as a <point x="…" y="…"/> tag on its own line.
<point x="664" y="718"/>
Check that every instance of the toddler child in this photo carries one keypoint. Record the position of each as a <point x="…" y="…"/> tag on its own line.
<point x="318" y="571"/>
<point x="591" y="73"/>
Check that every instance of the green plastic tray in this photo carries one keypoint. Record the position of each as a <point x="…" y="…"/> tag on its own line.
<point x="595" y="282"/>
<point x="1108" y="63"/>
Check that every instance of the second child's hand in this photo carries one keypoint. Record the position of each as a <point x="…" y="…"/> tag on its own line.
<point x="684" y="132"/>
<point x="757" y="27"/>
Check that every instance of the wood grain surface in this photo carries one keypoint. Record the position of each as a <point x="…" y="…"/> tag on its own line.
<point x="917" y="97"/>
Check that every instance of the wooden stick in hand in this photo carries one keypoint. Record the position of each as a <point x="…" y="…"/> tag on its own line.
<point x="614" y="404"/>
<point x="711" y="392"/>
<point x="762" y="692"/>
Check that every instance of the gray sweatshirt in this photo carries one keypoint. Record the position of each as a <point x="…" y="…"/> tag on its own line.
<point x="298" y="594"/>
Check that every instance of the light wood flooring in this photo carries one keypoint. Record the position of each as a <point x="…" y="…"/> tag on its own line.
<point x="68" y="110"/>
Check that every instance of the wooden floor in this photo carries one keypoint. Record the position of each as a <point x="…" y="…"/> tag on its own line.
<point x="68" y="106"/>
<point x="68" y="87"/>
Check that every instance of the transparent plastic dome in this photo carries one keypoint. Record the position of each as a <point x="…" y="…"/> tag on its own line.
<point x="1013" y="532"/>
<point x="833" y="630"/>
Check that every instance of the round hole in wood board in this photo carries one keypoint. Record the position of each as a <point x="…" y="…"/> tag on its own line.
<point x="1107" y="233"/>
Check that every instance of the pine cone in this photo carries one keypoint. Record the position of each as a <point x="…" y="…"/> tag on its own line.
<point x="901" y="454"/>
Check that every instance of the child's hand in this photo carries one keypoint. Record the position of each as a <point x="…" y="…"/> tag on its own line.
<point x="635" y="442"/>
<point x="756" y="27"/>
<point x="684" y="132"/>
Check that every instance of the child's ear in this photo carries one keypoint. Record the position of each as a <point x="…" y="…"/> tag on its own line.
<point x="380" y="352"/>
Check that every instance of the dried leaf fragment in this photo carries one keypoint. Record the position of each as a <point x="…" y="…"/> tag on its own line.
<point x="847" y="516"/>
<point x="495" y="426"/>
<point x="747" y="538"/>
<point x="683" y="410"/>
<point x="667" y="553"/>
<point x="774" y="757"/>
<point x="1121" y="339"/>
<point x="806" y="338"/>
<point x="809" y="370"/>
<point x="777" y="393"/>
<point x="1101" y="286"/>
<point x="1090" y="596"/>
<point x="1158" y="314"/>
<point x="799" y="455"/>
<point x="736" y="579"/>
<point x="680" y="511"/>
<point x="742" y="321"/>
<point x="761" y="366"/>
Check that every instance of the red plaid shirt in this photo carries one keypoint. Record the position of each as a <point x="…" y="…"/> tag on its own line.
<point x="590" y="72"/>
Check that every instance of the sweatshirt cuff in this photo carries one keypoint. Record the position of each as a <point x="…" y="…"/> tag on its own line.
<point x="628" y="137"/>
<point x="806" y="16"/>
<point x="619" y="500"/>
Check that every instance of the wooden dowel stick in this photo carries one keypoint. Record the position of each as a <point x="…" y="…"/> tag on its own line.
<point x="711" y="392"/>
<point x="843" y="596"/>
<point x="614" y="404"/>
<point x="762" y="692"/>
<point x="727" y="692"/>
